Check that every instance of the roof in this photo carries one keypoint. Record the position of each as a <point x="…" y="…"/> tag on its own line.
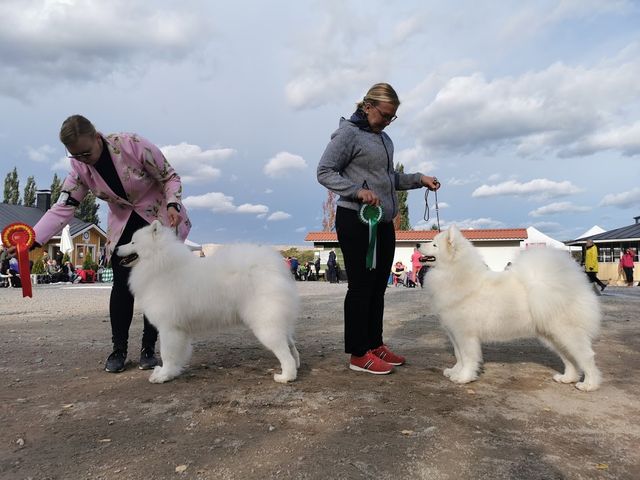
<point x="425" y="235"/>
<point x="31" y="216"/>
<point x="630" y="233"/>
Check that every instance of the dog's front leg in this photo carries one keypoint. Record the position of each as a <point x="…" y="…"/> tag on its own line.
<point x="470" y="352"/>
<point x="447" y="372"/>
<point x="175" y="350"/>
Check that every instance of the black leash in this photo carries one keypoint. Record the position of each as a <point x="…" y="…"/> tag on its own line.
<point x="427" y="213"/>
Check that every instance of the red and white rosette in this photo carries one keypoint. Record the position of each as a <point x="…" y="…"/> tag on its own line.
<point x="22" y="237"/>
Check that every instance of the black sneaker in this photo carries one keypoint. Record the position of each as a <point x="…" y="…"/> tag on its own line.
<point x="148" y="358"/>
<point x="115" y="362"/>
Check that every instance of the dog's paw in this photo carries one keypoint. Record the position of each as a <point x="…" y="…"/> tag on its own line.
<point x="463" y="377"/>
<point x="160" y="375"/>
<point x="282" y="378"/>
<point x="566" y="378"/>
<point x="587" y="386"/>
<point x="447" y="372"/>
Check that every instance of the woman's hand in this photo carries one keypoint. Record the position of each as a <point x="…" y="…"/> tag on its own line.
<point x="174" y="217"/>
<point x="368" y="197"/>
<point x="431" y="183"/>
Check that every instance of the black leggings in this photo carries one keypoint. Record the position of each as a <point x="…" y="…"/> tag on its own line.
<point x="364" y="302"/>
<point x="121" y="301"/>
<point x="593" y="277"/>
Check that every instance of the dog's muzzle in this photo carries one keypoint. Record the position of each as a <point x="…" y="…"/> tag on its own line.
<point x="427" y="258"/>
<point x="129" y="260"/>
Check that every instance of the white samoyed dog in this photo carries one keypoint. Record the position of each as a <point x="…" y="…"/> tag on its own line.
<point x="185" y="297"/>
<point x="544" y="294"/>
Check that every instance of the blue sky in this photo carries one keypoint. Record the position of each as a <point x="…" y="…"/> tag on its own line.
<point x="527" y="111"/>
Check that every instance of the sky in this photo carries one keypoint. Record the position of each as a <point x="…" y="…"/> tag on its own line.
<point x="528" y="112"/>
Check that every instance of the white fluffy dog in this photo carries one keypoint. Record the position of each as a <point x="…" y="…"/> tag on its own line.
<point x="185" y="296"/>
<point x="544" y="294"/>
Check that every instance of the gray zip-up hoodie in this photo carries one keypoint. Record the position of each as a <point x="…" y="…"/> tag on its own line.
<point x="356" y="159"/>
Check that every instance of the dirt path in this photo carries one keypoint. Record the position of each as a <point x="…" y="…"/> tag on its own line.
<point x="63" y="417"/>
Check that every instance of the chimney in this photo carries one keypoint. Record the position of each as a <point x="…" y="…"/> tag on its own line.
<point x="637" y="219"/>
<point x="43" y="200"/>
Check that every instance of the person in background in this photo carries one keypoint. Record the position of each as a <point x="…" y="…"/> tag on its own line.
<point x="358" y="166"/>
<point x="332" y="274"/>
<point x="626" y="261"/>
<point x="132" y="175"/>
<point x="590" y="262"/>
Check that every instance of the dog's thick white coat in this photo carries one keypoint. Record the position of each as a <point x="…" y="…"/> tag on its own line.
<point x="544" y="294"/>
<point x="186" y="297"/>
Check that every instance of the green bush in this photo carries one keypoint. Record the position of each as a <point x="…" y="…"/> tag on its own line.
<point x="38" y="267"/>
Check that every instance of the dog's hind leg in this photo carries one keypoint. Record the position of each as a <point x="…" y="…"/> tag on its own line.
<point x="294" y="350"/>
<point x="175" y="350"/>
<point x="576" y="345"/>
<point x="279" y="344"/>
<point x="571" y="374"/>
<point x="471" y="355"/>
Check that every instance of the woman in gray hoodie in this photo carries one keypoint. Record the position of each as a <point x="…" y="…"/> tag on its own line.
<point x="358" y="166"/>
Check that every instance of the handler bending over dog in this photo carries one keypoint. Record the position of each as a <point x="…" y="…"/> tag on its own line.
<point x="133" y="177"/>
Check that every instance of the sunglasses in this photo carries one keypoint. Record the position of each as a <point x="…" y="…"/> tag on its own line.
<point x="385" y="117"/>
<point x="79" y="156"/>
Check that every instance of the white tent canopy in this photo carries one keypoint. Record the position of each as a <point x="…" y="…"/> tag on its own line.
<point x="194" y="247"/>
<point x="66" y="243"/>
<point x="595" y="230"/>
<point x="535" y="238"/>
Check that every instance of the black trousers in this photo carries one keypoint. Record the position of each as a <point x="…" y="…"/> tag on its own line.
<point x="121" y="301"/>
<point x="593" y="278"/>
<point x="364" y="302"/>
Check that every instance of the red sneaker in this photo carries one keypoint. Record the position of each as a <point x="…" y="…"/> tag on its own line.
<point x="370" y="363"/>
<point x="388" y="356"/>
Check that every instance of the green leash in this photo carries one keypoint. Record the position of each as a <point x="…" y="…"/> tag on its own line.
<point x="371" y="215"/>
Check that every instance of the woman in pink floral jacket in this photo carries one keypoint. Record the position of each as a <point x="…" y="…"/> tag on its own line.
<point x="134" y="178"/>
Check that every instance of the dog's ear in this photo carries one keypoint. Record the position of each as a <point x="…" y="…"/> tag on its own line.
<point x="452" y="239"/>
<point x="155" y="228"/>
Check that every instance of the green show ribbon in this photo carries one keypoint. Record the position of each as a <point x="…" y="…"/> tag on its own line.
<point x="371" y="215"/>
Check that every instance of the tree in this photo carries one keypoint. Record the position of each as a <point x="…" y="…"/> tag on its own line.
<point x="56" y="186"/>
<point x="29" y="196"/>
<point x="12" y="188"/>
<point x="401" y="222"/>
<point x="88" y="209"/>
<point x="329" y="212"/>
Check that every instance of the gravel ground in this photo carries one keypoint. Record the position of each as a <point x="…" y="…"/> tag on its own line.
<point x="63" y="417"/>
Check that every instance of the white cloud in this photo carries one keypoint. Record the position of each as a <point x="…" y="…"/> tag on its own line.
<point x="415" y="160"/>
<point x="539" y="188"/>
<point x="558" y="109"/>
<point x="467" y="223"/>
<point x="301" y="229"/>
<point x="279" y="215"/>
<point x="250" y="208"/>
<point x="622" y="200"/>
<point x="558" y="208"/>
<point x="284" y="164"/>
<point x="268" y="191"/>
<point x="42" y="42"/>
<point x="63" y="163"/>
<point x="625" y="138"/>
<point x="218" y="202"/>
<point x="345" y="48"/>
<point x="194" y="164"/>
<point x="40" y="154"/>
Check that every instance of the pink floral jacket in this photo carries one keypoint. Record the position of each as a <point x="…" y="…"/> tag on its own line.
<point x="150" y="182"/>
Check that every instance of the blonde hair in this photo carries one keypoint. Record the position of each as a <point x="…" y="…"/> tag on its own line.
<point x="380" y="92"/>
<point x="74" y="127"/>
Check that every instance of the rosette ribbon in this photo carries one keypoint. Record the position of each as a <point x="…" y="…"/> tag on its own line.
<point x="21" y="236"/>
<point x="371" y="215"/>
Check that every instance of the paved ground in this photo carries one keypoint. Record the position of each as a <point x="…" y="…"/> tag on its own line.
<point x="63" y="417"/>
